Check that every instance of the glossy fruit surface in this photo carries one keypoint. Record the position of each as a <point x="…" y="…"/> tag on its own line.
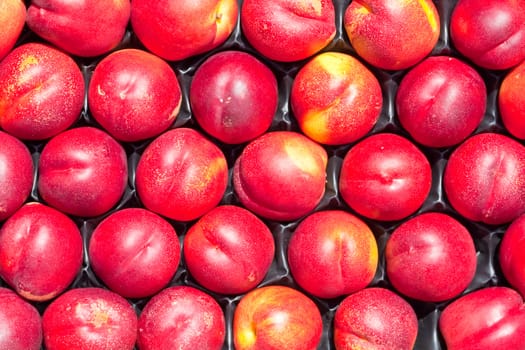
<point x="41" y="92"/>
<point x="229" y="250"/>
<point x="134" y="252"/>
<point x="16" y="174"/>
<point x="332" y="253"/>
<point x="181" y="317"/>
<point x="134" y="95"/>
<point x="484" y="178"/>
<point x="20" y="323"/>
<point x="430" y="257"/>
<point x="40" y="251"/>
<point x="83" y="172"/>
<point x="385" y="177"/>
<point x="181" y="175"/>
<point x="89" y="318"/>
<point x="276" y="317"/>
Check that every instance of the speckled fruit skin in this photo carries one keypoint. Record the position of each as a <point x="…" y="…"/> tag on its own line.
<point x="511" y="101"/>
<point x="276" y="317"/>
<point x="332" y="253"/>
<point x="234" y="96"/>
<point x="335" y="99"/>
<point x="441" y="101"/>
<point x="385" y="177"/>
<point x="375" y="319"/>
<point x="229" y="250"/>
<point x="12" y="20"/>
<point x="20" y="323"/>
<point x="489" y="32"/>
<point x="392" y="35"/>
<point x="195" y="27"/>
<point x="489" y="318"/>
<point x="134" y="95"/>
<point x="41" y="92"/>
<point x="438" y="250"/>
<point x="181" y="317"/>
<point x="40" y="251"/>
<point x="16" y="174"/>
<point x="511" y="257"/>
<point x="134" y="252"/>
<point x="281" y="175"/>
<point x="288" y="30"/>
<point x="83" y="28"/>
<point x="82" y="172"/>
<point x="89" y="318"/>
<point x="484" y="179"/>
<point x="181" y="175"/>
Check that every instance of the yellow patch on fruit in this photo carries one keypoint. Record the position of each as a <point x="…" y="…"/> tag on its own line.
<point x="362" y="8"/>
<point x="318" y="7"/>
<point x="429" y="12"/>
<point x="308" y="5"/>
<point x="201" y="183"/>
<point x="315" y="126"/>
<point x="100" y="318"/>
<point x="38" y="298"/>
<point x="337" y="64"/>
<point x="247" y="337"/>
<point x="374" y="254"/>
<point x="26" y="62"/>
<point x="301" y="157"/>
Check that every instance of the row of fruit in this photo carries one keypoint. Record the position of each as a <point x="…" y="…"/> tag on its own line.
<point x="262" y="174"/>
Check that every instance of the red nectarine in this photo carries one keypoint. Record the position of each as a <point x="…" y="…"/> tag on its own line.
<point x="134" y="95"/>
<point x="288" y="30"/>
<point x="335" y="99"/>
<point x="41" y="92"/>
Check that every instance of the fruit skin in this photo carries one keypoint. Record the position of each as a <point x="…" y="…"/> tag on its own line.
<point x="179" y="29"/>
<point x="134" y="95"/>
<point x="40" y="251"/>
<point x="335" y="99"/>
<point x="229" y="250"/>
<point x="84" y="28"/>
<point x="276" y="317"/>
<point x="20" y="323"/>
<point x="181" y="175"/>
<point x="134" y="252"/>
<point x="488" y="318"/>
<point x="385" y="177"/>
<point x="288" y="30"/>
<point x="392" y="35"/>
<point x="82" y="172"/>
<point x="281" y="175"/>
<point x="89" y="318"/>
<point x="491" y="33"/>
<point x="430" y="257"/>
<point x="441" y="101"/>
<point x="234" y="96"/>
<point x="375" y="319"/>
<point x="181" y="317"/>
<point x="16" y="169"/>
<point x="484" y="177"/>
<point x="332" y="253"/>
<point x="511" y="258"/>
<point x="12" y="20"/>
<point x="511" y="101"/>
<point x="41" y="92"/>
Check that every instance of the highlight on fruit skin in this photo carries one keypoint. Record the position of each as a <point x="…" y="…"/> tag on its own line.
<point x="335" y="99"/>
<point x="288" y="31"/>
<point x="276" y="317"/>
<point x="392" y="35"/>
<point x="192" y="28"/>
